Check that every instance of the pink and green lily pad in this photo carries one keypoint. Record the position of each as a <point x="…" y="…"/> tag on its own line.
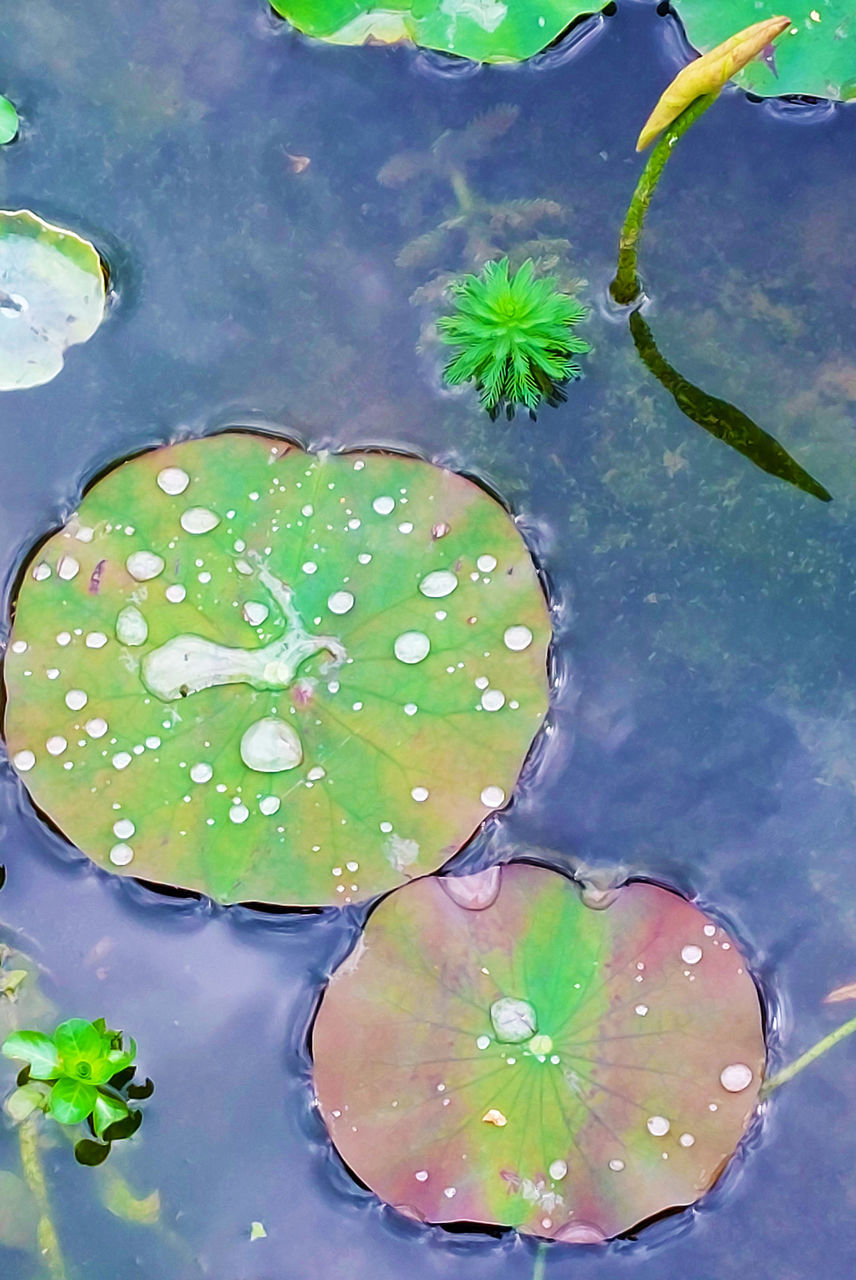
<point x="276" y="676"/>
<point x="495" y="1051"/>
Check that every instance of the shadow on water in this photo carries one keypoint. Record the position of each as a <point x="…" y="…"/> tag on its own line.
<point x="721" y="419"/>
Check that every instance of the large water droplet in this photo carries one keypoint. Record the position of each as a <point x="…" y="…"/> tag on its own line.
<point x="271" y="746"/>
<point x="514" y="1020"/>
<point x="440" y="583"/>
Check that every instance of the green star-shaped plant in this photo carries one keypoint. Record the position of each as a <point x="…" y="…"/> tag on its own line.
<point x="515" y="336"/>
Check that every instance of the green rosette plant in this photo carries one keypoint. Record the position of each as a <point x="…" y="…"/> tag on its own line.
<point x="83" y="1072"/>
<point x="514" y="336"/>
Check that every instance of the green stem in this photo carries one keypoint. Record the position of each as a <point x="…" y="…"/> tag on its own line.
<point x="540" y="1262"/>
<point x="31" y="1163"/>
<point x="810" y="1055"/>
<point x="626" y="286"/>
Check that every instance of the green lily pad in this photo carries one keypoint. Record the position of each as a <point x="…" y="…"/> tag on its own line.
<point x="276" y="676"/>
<point x="9" y="122"/>
<point x="484" y="30"/>
<point x="815" y="56"/>
<point x="496" y="1051"/>
<point x="52" y="296"/>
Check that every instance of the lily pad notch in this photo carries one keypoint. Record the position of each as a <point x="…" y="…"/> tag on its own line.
<point x="273" y="676"/>
<point x="497" y="1052"/>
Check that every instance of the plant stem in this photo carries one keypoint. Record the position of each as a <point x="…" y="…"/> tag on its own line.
<point x="822" y="1046"/>
<point x="28" y="1141"/>
<point x="540" y="1262"/>
<point x="626" y="286"/>
<point x="461" y="188"/>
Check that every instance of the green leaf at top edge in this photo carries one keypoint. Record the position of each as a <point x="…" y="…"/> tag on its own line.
<point x="37" y="1050"/>
<point x="71" y="1101"/>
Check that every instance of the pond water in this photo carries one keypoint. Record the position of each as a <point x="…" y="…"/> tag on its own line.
<point x="702" y="731"/>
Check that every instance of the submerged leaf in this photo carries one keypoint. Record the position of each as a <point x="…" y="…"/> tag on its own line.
<point x="19" y="1213"/>
<point x="847" y="992"/>
<point x="816" y="55"/>
<point x="52" y="296"/>
<point x="709" y="73"/>
<point x="517" y="1058"/>
<point x="281" y="677"/>
<point x="120" y="1200"/>
<point x="484" y="30"/>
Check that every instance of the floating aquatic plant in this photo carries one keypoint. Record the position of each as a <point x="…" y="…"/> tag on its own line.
<point x="692" y="91"/>
<point x="83" y="1072"/>
<point x="816" y="55"/>
<point x="497" y="1051"/>
<point x="9" y="123"/>
<point x="484" y="30"/>
<point x="515" y="336"/>
<point x="275" y="676"/>
<point x="52" y="296"/>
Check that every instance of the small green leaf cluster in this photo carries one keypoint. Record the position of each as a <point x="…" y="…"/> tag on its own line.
<point x="515" y="337"/>
<point x="83" y="1072"/>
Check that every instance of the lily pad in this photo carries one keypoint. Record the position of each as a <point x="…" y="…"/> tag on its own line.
<point x="815" y="56"/>
<point x="483" y="30"/>
<point x="9" y="123"/>
<point x="496" y="1051"/>
<point x="276" y="676"/>
<point x="52" y="296"/>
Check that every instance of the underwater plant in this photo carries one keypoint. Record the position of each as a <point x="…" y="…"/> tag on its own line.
<point x="83" y="1072"/>
<point x="9" y="123"/>
<point x="52" y="296"/>
<point x="285" y="677"/>
<point x="473" y="229"/>
<point x="515" y="337"/>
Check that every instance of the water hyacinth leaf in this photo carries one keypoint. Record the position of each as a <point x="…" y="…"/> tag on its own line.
<point x="37" y="1050"/>
<point x="9" y="123"/>
<point x="275" y="676"/>
<point x="91" y="1153"/>
<point x="627" y="1089"/>
<point x="816" y="55"/>
<point x="483" y="30"/>
<point x="107" y="1111"/>
<point x="52" y="296"/>
<point x="72" y="1101"/>
<point x="710" y="73"/>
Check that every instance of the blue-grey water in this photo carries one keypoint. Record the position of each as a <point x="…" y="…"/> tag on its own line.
<point x="704" y="724"/>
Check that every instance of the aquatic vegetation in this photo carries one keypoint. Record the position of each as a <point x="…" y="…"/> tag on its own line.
<point x="52" y="297"/>
<point x="275" y="676"/>
<point x="689" y="95"/>
<point x="721" y="419"/>
<point x="502" y="1049"/>
<point x="515" y="336"/>
<point x="9" y="123"/>
<point x="472" y="230"/>
<point x="83" y="1072"/>
<point x="817" y="55"/>
<point x="484" y="30"/>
